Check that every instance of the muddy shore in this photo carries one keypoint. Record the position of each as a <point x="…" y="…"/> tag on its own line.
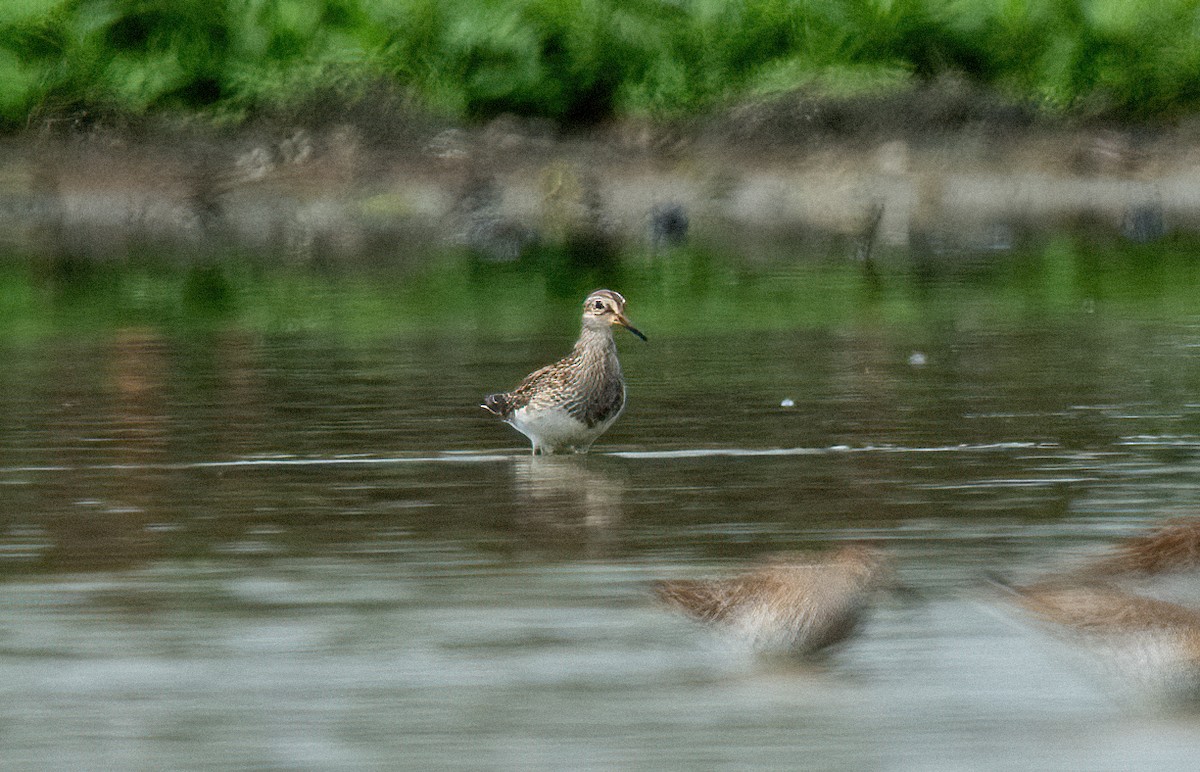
<point x="897" y="172"/>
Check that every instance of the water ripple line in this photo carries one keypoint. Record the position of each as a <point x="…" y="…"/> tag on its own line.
<point x="718" y="452"/>
<point x="451" y="458"/>
<point x="468" y="457"/>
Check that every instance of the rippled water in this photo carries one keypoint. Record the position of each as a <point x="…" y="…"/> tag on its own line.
<point x="309" y="549"/>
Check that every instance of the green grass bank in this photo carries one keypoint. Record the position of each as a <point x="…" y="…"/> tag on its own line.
<point x="581" y="62"/>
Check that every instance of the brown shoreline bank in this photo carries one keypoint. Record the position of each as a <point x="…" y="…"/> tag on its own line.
<point x="967" y="176"/>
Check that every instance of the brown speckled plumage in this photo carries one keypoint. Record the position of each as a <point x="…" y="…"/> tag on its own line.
<point x="566" y="405"/>
<point x="792" y="603"/>
<point x="587" y="384"/>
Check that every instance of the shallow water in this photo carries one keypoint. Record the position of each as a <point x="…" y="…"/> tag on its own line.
<point x="241" y="545"/>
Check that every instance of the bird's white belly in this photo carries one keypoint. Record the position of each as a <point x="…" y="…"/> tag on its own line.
<point x="553" y="430"/>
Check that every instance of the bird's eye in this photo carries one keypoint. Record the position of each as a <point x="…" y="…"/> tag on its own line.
<point x="598" y="305"/>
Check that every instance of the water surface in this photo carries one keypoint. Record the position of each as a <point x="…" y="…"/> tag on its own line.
<point x="255" y="518"/>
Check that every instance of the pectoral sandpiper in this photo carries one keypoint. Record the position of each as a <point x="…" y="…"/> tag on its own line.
<point x="565" y="406"/>
<point x="793" y="603"/>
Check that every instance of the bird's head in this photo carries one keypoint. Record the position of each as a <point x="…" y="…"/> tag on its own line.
<point x="604" y="308"/>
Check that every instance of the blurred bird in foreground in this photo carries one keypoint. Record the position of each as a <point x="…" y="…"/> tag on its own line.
<point x="1152" y="644"/>
<point x="792" y="603"/>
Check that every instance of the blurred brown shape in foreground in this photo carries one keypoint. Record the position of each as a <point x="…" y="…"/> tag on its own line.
<point x="794" y="603"/>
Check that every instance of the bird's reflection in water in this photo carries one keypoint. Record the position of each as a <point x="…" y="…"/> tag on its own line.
<point x="106" y="508"/>
<point x="567" y="500"/>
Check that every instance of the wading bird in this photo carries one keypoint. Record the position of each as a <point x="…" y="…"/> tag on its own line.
<point x="565" y="406"/>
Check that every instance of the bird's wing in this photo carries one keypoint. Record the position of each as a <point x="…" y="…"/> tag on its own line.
<point x="545" y="385"/>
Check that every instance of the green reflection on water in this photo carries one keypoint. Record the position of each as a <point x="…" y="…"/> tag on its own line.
<point x="689" y="290"/>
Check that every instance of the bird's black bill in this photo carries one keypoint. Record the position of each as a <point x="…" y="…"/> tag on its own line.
<point x="635" y="331"/>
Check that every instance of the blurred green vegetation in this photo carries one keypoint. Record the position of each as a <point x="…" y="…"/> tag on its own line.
<point x="582" y="61"/>
<point x="696" y="292"/>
